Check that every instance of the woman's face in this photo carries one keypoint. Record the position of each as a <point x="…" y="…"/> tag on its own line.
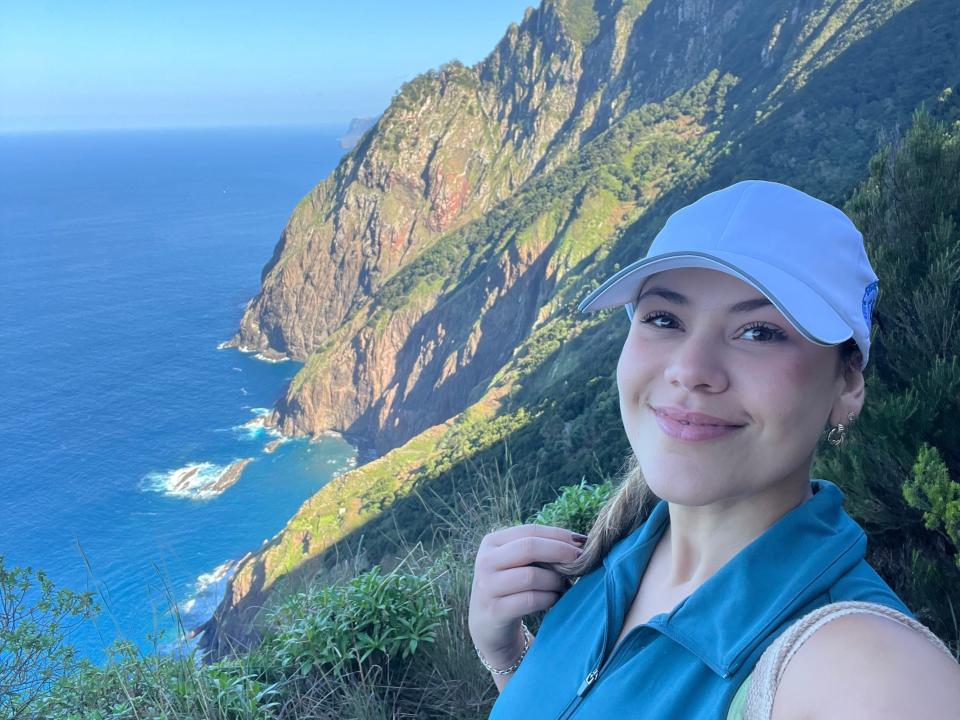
<point x="749" y="368"/>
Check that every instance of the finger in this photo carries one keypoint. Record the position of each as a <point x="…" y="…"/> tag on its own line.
<point x="532" y="548"/>
<point x="521" y="579"/>
<point x="515" y="532"/>
<point x="524" y="603"/>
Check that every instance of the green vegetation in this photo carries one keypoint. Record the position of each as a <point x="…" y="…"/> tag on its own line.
<point x="34" y="619"/>
<point x="368" y="645"/>
<point x="370" y="620"/>
<point x="900" y="471"/>
<point x="580" y="21"/>
<point x="931" y="490"/>
<point x="576" y="508"/>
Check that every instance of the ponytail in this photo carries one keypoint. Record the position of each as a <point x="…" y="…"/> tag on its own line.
<point x="624" y="512"/>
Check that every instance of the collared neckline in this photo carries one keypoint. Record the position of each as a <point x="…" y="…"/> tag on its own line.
<point x="793" y="561"/>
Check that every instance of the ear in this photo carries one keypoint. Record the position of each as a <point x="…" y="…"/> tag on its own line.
<point x="851" y="397"/>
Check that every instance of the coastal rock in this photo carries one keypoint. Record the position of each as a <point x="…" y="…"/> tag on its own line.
<point x="229" y="476"/>
<point x="273" y="445"/>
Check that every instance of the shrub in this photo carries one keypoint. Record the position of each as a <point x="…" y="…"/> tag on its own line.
<point x="372" y="619"/>
<point x="576" y="508"/>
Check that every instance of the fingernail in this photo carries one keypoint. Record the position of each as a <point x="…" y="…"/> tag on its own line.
<point x="578" y="536"/>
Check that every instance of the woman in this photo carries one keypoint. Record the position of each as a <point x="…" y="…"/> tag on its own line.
<point x="749" y="331"/>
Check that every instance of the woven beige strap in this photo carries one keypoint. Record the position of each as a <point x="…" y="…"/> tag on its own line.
<point x="772" y="664"/>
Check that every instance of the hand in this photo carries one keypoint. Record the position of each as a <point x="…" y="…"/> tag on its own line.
<point x="512" y="577"/>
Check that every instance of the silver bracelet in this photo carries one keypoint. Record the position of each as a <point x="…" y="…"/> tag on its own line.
<point x="527" y="637"/>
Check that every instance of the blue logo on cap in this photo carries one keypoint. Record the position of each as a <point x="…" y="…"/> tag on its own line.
<point x="869" y="298"/>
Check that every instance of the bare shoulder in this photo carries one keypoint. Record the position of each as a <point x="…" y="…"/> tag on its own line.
<point x="866" y="666"/>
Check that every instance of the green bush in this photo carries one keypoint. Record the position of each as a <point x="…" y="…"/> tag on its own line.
<point x="931" y="490"/>
<point x="372" y="619"/>
<point x="576" y="508"/>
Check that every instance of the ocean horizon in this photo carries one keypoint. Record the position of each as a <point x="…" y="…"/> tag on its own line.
<point x="136" y="463"/>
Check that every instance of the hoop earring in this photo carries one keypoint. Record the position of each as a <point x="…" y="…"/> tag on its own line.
<point x="838" y="433"/>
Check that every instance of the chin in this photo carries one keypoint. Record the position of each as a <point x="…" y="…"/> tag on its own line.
<point x="682" y="482"/>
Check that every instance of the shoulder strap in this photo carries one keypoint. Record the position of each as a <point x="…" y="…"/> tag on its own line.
<point x="754" y="700"/>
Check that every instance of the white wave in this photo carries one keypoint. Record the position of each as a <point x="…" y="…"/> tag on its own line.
<point x="194" y="481"/>
<point x="256" y="426"/>
<point x="203" y="598"/>
<point x="252" y="429"/>
<point x="264" y="358"/>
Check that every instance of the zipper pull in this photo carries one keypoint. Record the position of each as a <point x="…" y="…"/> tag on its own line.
<point x="588" y="680"/>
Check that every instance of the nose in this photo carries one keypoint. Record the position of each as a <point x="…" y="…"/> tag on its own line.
<point x="696" y="363"/>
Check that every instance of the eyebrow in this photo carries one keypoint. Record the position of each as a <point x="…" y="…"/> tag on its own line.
<point x="677" y="298"/>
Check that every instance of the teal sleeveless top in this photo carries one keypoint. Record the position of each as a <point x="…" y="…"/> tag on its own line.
<point x="692" y="661"/>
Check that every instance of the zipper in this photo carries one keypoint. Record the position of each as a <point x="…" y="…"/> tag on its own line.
<point x="592" y="676"/>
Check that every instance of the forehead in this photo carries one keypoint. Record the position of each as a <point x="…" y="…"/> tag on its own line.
<point x="698" y="282"/>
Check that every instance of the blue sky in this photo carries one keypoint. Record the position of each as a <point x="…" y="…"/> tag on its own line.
<point x="172" y="63"/>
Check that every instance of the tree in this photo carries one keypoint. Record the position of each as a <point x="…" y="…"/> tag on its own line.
<point x="900" y="472"/>
<point x="33" y="655"/>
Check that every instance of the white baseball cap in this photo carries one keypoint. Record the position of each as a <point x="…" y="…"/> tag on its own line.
<point x="803" y="254"/>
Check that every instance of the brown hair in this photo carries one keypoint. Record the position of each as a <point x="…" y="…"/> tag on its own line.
<point x="632" y="499"/>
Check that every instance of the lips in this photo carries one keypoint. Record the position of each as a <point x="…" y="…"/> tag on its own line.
<point x="688" y="417"/>
<point x="689" y="426"/>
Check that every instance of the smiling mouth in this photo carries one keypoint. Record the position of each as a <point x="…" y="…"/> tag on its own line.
<point x="686" y="430"/>
<point x="682" y="421"/>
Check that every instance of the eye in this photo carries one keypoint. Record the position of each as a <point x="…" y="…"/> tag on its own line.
<point x="649" y="318"/>
<point x="772" y="333"/>
<point x="756" y="331"/>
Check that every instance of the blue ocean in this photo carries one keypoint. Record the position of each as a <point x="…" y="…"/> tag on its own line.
<point x="126" y="259"/>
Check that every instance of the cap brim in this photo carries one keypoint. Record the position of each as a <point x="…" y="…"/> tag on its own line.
<point x="809" y="313"/>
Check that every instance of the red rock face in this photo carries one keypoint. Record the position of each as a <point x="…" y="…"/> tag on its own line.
<point x="448" y="195"/>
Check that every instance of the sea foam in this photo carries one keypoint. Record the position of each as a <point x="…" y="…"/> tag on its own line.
<point x="195" y="481"/>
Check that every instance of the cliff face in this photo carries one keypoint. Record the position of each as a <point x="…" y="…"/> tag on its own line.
<point x="448" y="147"/>
<point x="478" y="210"/>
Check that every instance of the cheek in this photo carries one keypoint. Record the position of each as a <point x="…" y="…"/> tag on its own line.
<point x="633" y="370"/>
<point x="626" y="378"/>
<point x="788" y="396"/>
